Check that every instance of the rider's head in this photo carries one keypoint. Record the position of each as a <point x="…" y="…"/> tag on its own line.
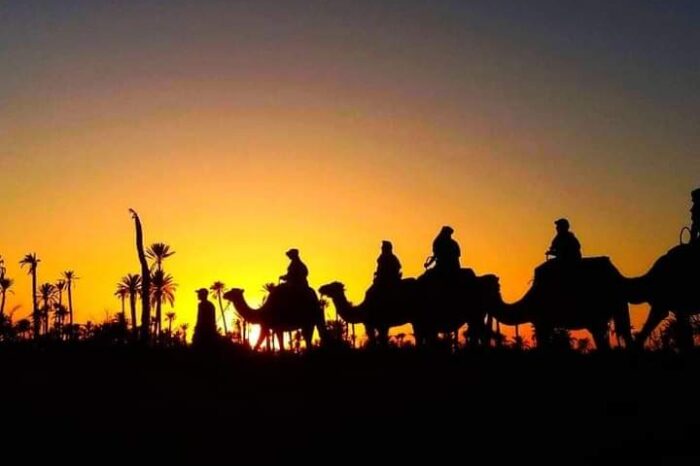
<point x="696" y="195"/>
<point x="202" y="294"/>
<point x="562" y="225"/>
<point x="293" y="253"/>
<point x="387" y="246"/>
<point x="446" y="231"/>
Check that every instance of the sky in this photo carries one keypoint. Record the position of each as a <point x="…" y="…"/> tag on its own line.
<point x="240" y="129"/>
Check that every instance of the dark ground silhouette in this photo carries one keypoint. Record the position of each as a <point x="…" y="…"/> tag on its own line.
<point x="108" y="405"/>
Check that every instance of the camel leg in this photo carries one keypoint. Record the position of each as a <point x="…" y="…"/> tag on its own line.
<point x="685" y="331"/>
<point x="308" y="333"/>
<point x="261" y="337"/>
<point x="601" y="338"/>
<point x="656" y="315"/>
<point x="478" y="334"/>
<point x="371" y="335"/>
<point x="383" y="336"/>
<point x="543" y="335"/>
<point x="280" y="340"/>
<point x="418" y="336"/>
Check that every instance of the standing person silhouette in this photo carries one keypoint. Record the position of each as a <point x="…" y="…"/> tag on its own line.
<point x="695" y="217"/>
<point x="205" y="333"/>
<point x="297" y="272"/>
<point x="565" y="246"/>
<point x="446" y="252"/>
<point x="388" y="266"/>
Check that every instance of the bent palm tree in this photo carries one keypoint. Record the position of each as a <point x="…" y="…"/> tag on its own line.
<point x="145" y="279"/>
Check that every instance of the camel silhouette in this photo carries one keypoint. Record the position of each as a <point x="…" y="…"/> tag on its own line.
<point x="671" y="285"/>
<point x="579" y="296"/>
<point x="431" y="304"/>
<point x="381" y="309"/>
<point x="286" y="309"/>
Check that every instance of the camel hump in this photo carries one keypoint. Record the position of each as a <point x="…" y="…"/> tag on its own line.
<point x="680" y="261"/>
<point x="588" y="268"/>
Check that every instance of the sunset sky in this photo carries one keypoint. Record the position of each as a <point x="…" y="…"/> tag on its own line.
<point x="240" y="129"/>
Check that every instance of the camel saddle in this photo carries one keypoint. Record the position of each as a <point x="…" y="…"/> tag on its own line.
<point x="558" y="271"/>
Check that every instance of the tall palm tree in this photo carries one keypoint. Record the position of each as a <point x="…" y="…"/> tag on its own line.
<point x="48" y="294"/>
<point x="5" y="285"/>
<point x="32" y="261"/>
<point x="218" y="288"/>
<point x="145" y="279"/>
<point x="131" y="283"/>
<point x="162" y="289"/>
<point x="158" y="252"/>
<point x="70" y="277"/>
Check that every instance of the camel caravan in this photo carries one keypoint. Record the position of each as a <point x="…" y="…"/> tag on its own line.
<point x="568" y="292"/>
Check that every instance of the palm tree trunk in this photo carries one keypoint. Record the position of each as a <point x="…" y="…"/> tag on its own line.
<point x="132" y="304"/>
<point x="37" y="317"/>
<point x="2" y="304"/>
<point x="223" y="317"/>
<point x="158" y="317"/>
<point x="70" y="303"/>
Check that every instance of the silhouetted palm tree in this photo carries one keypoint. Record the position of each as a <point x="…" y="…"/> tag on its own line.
<point x="183" y="328"/>
<point x="162" y="289"/>
<point x="5" y="285"/>
<point x="49" y="295"/>
<point x="69" y="276"/>
<point x="158" y="252"/>
<point x="23" y="327"/>
<point x="131" y="283"/>
<point x="122" y="293"/>
<point x="60" y="287"/>
<point x="218" y="288"/>
<point x="170" y="317"/>
<point x="32" y="261"/>
<point x="2" y="267"/>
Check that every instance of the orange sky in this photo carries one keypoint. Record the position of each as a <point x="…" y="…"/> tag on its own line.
<point x="239" y="134"/>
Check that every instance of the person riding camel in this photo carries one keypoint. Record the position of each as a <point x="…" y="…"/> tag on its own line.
<point x="565" y="247"/>
<point x="297" y="272"/>
<point x="446" y="252"/>
<point x="695" y="217"/>
<point x="388" y="266"/>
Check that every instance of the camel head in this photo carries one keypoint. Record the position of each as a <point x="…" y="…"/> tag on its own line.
<point x="332" y="290"/>
<point x="233" y="293"/>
